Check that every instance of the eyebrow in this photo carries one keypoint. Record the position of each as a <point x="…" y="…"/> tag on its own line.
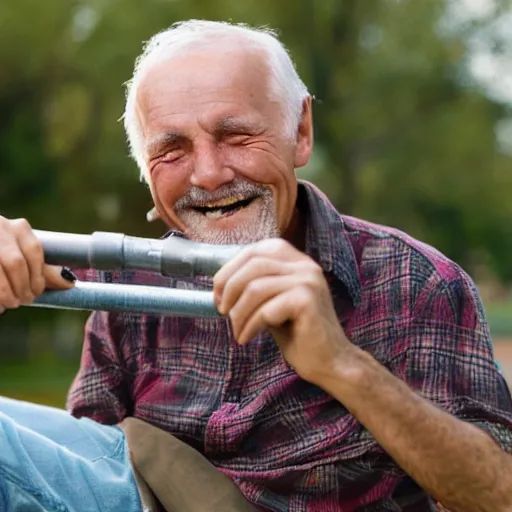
<point x="236" y="124"/>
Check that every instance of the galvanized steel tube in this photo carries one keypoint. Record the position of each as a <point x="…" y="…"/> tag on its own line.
<point x="130" y="298"/>
<point x="172" y="256"/>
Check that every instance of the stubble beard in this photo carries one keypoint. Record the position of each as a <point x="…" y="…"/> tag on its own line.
<point x="262" y="225"/>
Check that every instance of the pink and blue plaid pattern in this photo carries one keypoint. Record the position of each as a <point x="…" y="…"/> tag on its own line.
<point x="287" y="444"/>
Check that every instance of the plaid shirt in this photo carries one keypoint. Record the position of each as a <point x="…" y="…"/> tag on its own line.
<point x="287" y="444"/>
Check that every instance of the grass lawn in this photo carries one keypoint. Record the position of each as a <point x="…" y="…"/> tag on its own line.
<point x="45" y="383"/>
<point x="500" y="318"/>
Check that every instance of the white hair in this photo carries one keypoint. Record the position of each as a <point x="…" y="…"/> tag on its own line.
<point x="286" y="86"/>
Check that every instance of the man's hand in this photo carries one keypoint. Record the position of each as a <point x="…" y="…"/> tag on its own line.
<point x="23" y="273"/>
<point x="271" y="285"/>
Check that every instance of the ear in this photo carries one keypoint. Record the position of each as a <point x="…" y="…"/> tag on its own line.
<point x="152" y="215"/>
<point x="304" y="146"/>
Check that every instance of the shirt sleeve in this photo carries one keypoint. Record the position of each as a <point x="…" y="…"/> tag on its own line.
<point x="450" y="358"/>
<point x="101" y="388"/>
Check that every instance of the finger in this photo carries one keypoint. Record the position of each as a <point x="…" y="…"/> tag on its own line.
<point x="33" y="253"/>
<point x="58" y="278"/>
<point x="273" y="248"/>
<point x="245" y="275"/>
<point x="273" y="313"/>
<point x="23" y="257"/>
<point x="8" y="298"/>
<point x="254" y="296"/>
<point x="228" y="269"/>
<point x="16" y="271"/>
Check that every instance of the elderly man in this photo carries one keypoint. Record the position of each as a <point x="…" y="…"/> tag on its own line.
<point x="352" y="368"/>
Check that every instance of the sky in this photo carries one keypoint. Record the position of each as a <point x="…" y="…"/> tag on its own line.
<point x="489" y="56"/>
<point x="490" y="64"/>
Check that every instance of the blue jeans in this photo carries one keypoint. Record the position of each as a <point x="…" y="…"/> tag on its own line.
<point x="53" y="462"/>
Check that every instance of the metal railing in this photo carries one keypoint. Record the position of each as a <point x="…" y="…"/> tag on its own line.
<point x="171" y="256"/>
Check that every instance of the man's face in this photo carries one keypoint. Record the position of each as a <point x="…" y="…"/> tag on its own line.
<point x="221" y="168"/>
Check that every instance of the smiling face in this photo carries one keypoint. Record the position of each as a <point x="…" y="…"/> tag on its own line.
<point x="221" y="168"/>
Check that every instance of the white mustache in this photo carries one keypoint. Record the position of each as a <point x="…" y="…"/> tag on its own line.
<point x="197" y="196"/>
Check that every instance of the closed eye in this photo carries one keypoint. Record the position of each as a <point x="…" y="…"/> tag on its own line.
<point x="237" y="138"/>
<point x="237" y="131"/>
<point x="173" y="155"/>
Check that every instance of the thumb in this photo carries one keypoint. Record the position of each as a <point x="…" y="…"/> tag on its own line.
<point x="58" y="278"/>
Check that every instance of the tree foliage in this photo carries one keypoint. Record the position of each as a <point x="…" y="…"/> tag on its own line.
<point x="404" y="135"/>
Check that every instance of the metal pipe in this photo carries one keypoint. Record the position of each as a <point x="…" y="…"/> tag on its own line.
<point x="130" y="298"/>
<point x="172" y="256"/>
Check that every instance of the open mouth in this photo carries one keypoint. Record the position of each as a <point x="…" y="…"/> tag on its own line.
<point x="224" y="208"/>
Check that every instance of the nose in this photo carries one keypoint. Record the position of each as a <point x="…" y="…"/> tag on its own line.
<point x="209" y="171"/>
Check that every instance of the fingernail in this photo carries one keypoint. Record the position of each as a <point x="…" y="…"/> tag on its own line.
<point x="68" y="275"/>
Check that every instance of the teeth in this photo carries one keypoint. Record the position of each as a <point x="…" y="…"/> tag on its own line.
<point x="224" y="202"/>
<point x="215" y="214"/>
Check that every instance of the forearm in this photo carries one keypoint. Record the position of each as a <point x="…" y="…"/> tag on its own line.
<point x="456" y="462"/>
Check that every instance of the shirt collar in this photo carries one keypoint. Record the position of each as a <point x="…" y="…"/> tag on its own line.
<point x="327" y="241"/>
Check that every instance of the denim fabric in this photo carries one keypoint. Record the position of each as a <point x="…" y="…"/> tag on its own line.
<point x="53" y="462"/>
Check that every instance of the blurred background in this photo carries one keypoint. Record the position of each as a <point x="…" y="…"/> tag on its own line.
<point x="413" y="124"/>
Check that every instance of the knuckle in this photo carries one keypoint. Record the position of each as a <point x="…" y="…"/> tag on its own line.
<point x="278" y="244"/>
<point x="14" y="262"/>
<point x="28" y="298"/>
<point x="38" y="286"/>
<point x="311" y="271"/>
<point x="310" y="265"/>
<point x="253" y="253"/>
<point x="7" y="238"/>
<point x="316" y="269"/>
<point x="21" y="224"/>
<point x="218" y="284"/>
<point x="254" y="287"/>
<point x="304" y="296"/>
<point x="259" y="263"/>
<point x="271" y="245"/>
<point x="34" y="246"/>
<point x="312" y="281"/>
<point x="7" y="299"/>
<point x="234" y="319"/>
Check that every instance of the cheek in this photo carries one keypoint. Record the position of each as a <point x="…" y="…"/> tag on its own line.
<point x="168" y="185"/>
<point x="272" y="168"/>
<point x="259" y="165"/>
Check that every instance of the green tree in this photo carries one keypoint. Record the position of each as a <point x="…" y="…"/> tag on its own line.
<point x="404" y="135"/>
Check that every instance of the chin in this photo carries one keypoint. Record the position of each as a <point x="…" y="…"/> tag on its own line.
<point x="230" y="238"/>
<point x="240" y="235"/>
<point x="244" y="226"/>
